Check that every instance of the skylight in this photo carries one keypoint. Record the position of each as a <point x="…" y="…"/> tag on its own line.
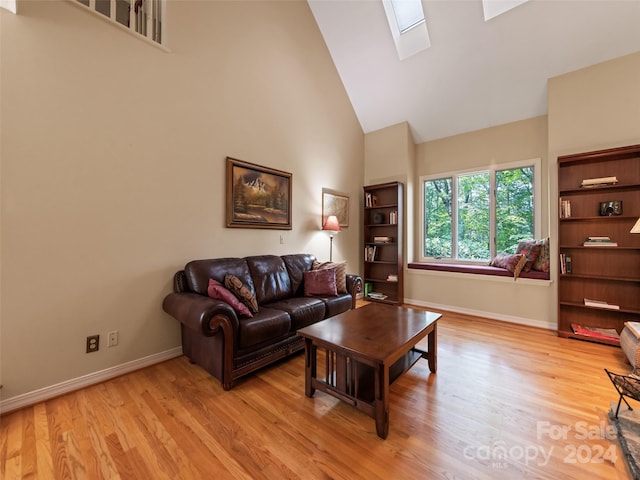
<point x="408" y="14"/>
<point x="408" y="26"/>
<point x="493" y="8"/>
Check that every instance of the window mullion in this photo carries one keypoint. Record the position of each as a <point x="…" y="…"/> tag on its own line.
<point x="492" y="213"/>
<point x="454" y="216"/>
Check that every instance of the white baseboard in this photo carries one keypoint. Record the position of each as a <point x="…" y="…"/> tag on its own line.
<point x="529" y="322"/>
<point x="67" y="386"/>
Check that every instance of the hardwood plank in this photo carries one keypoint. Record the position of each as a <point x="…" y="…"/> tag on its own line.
<point x="539" y="399"/>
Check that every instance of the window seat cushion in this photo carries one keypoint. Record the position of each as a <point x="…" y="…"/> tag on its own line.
<point x="477" y="269"/>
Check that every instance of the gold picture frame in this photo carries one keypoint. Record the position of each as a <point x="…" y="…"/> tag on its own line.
<point x="336" y="204"/>
<point x="257" y="196"/>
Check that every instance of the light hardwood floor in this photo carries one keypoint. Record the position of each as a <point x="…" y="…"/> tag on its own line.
<point x="507" y="402"/>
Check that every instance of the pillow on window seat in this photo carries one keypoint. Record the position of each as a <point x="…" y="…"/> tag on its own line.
<point x="219" y="292"/>
<point x="320" y="282"/>
<point x="542" y="262"/>
<point x="513" y="262"/>
<point x="531" y="249"/>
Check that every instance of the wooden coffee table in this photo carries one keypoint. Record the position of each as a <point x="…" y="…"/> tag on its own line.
<point x="366" y="349"/>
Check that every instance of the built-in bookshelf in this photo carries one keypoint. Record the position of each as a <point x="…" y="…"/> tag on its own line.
<point x="383" y="242"/>
<point x="599" y="278"/>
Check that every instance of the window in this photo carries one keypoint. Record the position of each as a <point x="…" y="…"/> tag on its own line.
<point x="408" y="26"/>
<point x="140" y="16"/>
<point x="469" y="216"/>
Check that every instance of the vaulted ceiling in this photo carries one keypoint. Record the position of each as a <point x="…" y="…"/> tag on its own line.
<point x="476" y="74"/>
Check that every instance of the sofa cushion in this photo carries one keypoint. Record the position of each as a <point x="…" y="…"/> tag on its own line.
<point x="303" y="311"/>
<point x="270" y="278"/>
<point x="320" y="282"/>
<point x="296" y="265"/>
<point x="335" y="305"/>
<point x="242" y="291"/>
<point x="198" y="273"/>
<point x="219" y="292"/>
<point x="341" y="273"/>
<point x="267" y="325"/>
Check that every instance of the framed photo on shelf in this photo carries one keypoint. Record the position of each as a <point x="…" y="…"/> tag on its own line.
<point x="257" y="196"/>
<point x="335" y="204"/>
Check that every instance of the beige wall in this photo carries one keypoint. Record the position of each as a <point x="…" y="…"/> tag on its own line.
<point x="113" y="168"/>
<point x="596" y="107"/>
<point x="524" y="301"/>
<point x="591" y="109"/>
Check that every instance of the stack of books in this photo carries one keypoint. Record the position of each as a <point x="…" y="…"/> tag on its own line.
<point x="597" y="182"/>
<point x="565" y="263"/>
<point x="377" y="296"/>
<point x="600" y="304"/>
<point x="599" y="242"/>
<point x="565" y="208"/>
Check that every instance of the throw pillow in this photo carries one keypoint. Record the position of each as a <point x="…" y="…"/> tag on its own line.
<point x="320" y="282"/>
<point x="341" y="273"/>
<point x="510" y="261"/>
<point x="219" y="292"/>
<point x="531" y="249"/>
<point x="240" y="290"/>
<point x="542" y="262"/>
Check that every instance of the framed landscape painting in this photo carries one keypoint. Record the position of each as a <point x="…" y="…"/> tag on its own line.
<point x="257" y="197"/>
<point x="335" y="204"/>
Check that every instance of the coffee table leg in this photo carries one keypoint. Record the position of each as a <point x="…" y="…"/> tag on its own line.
<point x="432" y="354"/>
<point x="310" y="369"/>
<point x="381" y="406"/>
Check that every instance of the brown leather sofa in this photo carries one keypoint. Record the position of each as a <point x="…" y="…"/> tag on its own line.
<point x="229" y="346"/>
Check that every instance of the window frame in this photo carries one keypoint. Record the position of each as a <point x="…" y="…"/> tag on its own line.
<point x="536" y="163"/>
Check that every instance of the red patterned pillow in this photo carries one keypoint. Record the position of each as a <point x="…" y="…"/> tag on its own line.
<point x="320" y="282"/>
<point x="511" y="262"/>
<point x="341" y="273"/>
<point x="216" y="290"/>
<point x="531" y="249"/>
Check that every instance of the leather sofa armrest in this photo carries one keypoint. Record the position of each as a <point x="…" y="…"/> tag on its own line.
<point x="201" y="313"/>
<point x="354" y="287"/>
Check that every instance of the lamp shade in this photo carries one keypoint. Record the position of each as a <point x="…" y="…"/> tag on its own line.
<point x="636" y="227"/>
<point x="332" y="224"/>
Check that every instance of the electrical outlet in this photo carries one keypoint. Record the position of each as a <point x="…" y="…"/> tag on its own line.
<point x="113" y="338"/>
<point x="281" y="239"/>
<point x="93" y="343"/>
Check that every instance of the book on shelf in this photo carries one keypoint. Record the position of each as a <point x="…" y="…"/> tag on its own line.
<point x="565" y="263"/>
<point x="382" y="239"/>
<point x="595" y="332"/>
<point x="600" y="304"/>
<point x="594" y="182"/>
<point x="599" y="243"/>
<point x="377" y="295"/>
<point x="565" y="208"/>
<point x="392" y="278"/>
<point x="370" y="253"/>
<point x="370" y="200"/>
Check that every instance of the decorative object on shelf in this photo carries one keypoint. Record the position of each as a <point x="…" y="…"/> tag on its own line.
<point x="565" y="208"/>
<point x="336" y="204"/>
<point x="636" y="227"/>
<point x="257" y="197"/>
<point x="382" y="239"/>
<point x="378" y="218"/>
<point x="333" y="227"/>
<point x="610" y="208"/>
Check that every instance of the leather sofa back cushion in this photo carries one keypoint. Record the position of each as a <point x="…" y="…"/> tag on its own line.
<point x="270" y="278"/>
<point x="297" y="264"/>
<point x="320" y="282"/>
<point x="219" y="292"/>
<point x="198" y="273"/>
